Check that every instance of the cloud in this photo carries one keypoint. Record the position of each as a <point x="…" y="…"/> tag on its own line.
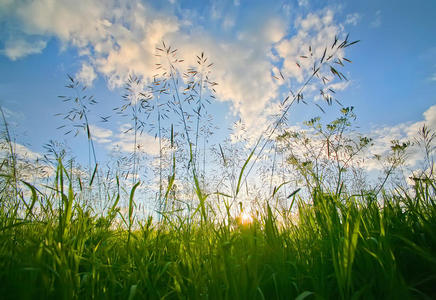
<point x="317" y="30"/>
<point x="352" y="19"/>
<point x="429" y="172"/>
<point x="17" y="48"/>
<point x="415" y="164"/>
<point x="377" y="20"/>
<point x="30" y="165"/>
<point x="25" y="153"/>
<point x="101" y="135"/>
<point x="118" y="39"/>
<point x="86" y="75"/>
<point x="430" y="116"/>
<point x="125" y="140"/>
<point x="402" y="132"/>
<point x="242" y="67"/>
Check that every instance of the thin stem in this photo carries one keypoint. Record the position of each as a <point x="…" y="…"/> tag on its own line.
<point x="135" y="141"/>
<point x="272" y="170"/>
<point x="179" y="103"/>
<point x="160" y="150"/>
<point x="198" y="118"/>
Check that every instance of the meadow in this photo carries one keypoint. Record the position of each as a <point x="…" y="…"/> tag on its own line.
<point x="81" y="236"/>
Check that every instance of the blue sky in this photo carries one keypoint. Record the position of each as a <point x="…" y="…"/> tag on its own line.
<point x="392" y="79"/>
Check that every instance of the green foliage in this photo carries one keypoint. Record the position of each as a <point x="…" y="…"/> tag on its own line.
<point x="339" y="246"/>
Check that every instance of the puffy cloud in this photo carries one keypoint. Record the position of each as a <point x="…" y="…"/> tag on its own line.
<point x="125" y="140"/>
<point x="383" y="136"/>
<point x="18" y="48"/>
<point x="119" y="38"/>
<point x="30" y="165"/>
<point x="430" y="116"/>
<point x="86" y="75"/>
<point x="101" y="135"/>
<point x="25" y="153"/>
<point x="242" y="67"/>
<point x="315" y="30"/>
<point x="429" y="172"/>
<point x="77" y="22"/>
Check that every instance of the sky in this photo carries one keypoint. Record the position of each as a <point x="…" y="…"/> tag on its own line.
<point x="391" y="80"/>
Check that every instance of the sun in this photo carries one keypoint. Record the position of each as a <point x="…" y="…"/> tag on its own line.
<point x="245" y="218"/>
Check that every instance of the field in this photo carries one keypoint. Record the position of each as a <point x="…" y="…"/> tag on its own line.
<point x="79" y="232"/>
<point x="348" y="247"/>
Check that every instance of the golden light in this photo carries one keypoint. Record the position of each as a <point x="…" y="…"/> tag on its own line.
<point x="245" y="218"/>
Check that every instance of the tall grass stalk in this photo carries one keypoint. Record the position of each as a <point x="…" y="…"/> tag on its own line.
<point x="327" y="60"/>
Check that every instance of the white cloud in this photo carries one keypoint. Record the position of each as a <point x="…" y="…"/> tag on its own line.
<point x="101" y="135"/>
<point x="430" y="116"/>
<point x="429" y="172"/>
<point x="352" y="19"/>
<point x="86" y="75"/>
<point x="315" y="30"/>
<point x="242" y="68"/>
<point x="61" y="19"/>
<point x="24" y="152"/>
<point x="383" y="136"/>
<point x="126" y="141"/>
<point x="18" y="48"/>
<point x="377" y="20"/>
<point x="119" y="39"/>
<point x="30" y="165"/>
<point x="21" y="151"/>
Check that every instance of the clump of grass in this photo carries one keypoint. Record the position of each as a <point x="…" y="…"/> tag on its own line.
<point x="339" y="246"/>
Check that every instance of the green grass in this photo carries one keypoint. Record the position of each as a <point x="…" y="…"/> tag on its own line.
<point x="347" y="247"/>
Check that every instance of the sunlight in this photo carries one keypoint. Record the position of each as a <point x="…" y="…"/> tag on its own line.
<point x="245" y="218"/>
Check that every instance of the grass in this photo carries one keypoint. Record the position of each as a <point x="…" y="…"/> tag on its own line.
<point x="337" y="247"/>
<point x="328" y="244"/>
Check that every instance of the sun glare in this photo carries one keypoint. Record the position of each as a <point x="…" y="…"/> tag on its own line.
<point x="245" y="218"/>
